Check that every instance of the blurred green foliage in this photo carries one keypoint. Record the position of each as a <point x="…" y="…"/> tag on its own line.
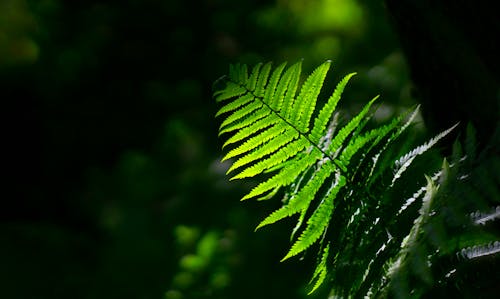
<point x="116" y="189"/>
<point x="17" y="25"/>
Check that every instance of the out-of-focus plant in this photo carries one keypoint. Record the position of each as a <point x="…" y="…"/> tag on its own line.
<point x="17" y="27"/>
<point x="204" y="263"/>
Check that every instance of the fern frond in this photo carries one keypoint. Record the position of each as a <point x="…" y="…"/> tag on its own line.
<point x="368" y="160"/>
<point x="252" y="80"/>
<point x="301" y="200"/>
<point x="240" y="113"/>
<point x="277" y="158"/>
<point x="398" y="267"/>
<point x="262" y="80"/>
<point x="327" y="111"/>
<point x="477" y="251"/>
<point x="285" y="177"/>
<point x="373" y="175"/>
<point x="270" y="147"/>
<point x="263" y="137"/>
<point x="321" y="270"/>
<point x="359" y="142"/>
<point x="271" y="88"/>
<point x="404" y="162"/>
<point x="293" y="84"/>
<point x="238" y="73"/>
<point x="304" y="105"/>
<point x="344" y="133"/>
<point x="231" y="106"/>
<point x="232" y="90"/>
<point x="270" y="137"/>
<point x="255" y="116"/>
<point x="289" y="78"/>
<point x="251" y="129"/>
<point x="319" y="220"/>
<point x="334" y="178"/>
<point x="480" y="218"/>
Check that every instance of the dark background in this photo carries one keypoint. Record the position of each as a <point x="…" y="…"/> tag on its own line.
<point x="113" y="186"/>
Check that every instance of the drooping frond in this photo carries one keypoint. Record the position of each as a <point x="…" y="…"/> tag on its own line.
<point x="404" y="162"/>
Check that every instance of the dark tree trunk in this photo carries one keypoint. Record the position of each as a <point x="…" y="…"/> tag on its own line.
<point x="452" y="48"/>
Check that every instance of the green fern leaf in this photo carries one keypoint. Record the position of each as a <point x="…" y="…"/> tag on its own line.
<point x="271" y="88"/>
<point x="250" y="130"/>
<point x="277" y="158"/>
<point x="305" y="103"/>
<point x="253" y="142"/>
<point x="300" y="201"/>
<point x="272" y="133"/>
<point x="359" y="142"/>
<point x="321" y="270"/>
<point x="285" y="177"/>
<point x="241" y="113"/>
<point x="262" y="80"/>
<point x="231" y="106"/>
<point x="232" y="90"/>
<point x="252" y="118"/>
<point x="288" y="80"/>
<point x="344" y="133"/>
<point x="252" y="80"/>
<point x="270" y="147"/>
<point x="238" y="73"/>
<point x="291" y="89"/>
<point x="374" y="175"/>
<point x="405" y="161"/>
<point x="318" y="222"/>
<point x="326" y="112"/>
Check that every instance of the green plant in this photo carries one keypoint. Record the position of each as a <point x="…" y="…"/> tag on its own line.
<point x="347" y="181"/>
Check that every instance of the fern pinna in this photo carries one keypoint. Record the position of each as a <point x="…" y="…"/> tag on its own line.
<point x="335" y="175"/>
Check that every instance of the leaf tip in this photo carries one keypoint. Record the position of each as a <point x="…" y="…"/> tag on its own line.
<point x="284" y="259"/>
<point x="287" y="256"/>
<point x="246" y="197"/>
